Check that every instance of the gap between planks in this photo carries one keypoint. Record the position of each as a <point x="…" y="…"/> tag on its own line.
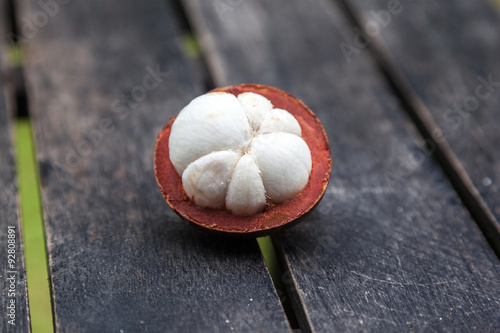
<point x="33" y="240"/>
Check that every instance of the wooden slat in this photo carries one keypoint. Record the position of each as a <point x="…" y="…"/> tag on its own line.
<point x="14" y="307"/>
<point x="9" y="70"/>
<point x="120" y="259"/>
<point x="390" y="247"/>
<point x="447" y="55"/>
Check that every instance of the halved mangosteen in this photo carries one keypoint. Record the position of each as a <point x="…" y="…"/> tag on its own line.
<point x="243" y="160"/>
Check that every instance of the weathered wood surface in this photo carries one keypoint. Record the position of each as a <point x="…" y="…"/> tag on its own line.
<point x="103" y="78"/>
<point x="14" y="318"/>
<point x="390" y="248"/>
<point x="448" y="53"/>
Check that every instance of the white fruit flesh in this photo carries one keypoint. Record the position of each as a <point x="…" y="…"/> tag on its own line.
<point x="285" y="164"/>
<point x="238" y="151"/>
<point x="246" y="194"/>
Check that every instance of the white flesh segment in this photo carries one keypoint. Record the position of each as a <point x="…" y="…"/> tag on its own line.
<point x="285" y="163"/>
<point x="205" y="180"/>
<point x="245" y="194"/>
<point x="211" y="122"/>
<point x="255" y="107"/>
<point x="279" y="120"/>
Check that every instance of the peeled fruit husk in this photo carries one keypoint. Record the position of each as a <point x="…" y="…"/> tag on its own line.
<point x="190" y="163"/>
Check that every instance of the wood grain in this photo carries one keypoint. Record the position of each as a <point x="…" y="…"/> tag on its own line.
<point x="13" y="278"/>
<point x="390" y="248"/>
<point x="446" y="55"/>
<point x="120" y="259"/>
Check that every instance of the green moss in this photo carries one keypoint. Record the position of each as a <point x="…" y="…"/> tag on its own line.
<point x="15" y="55"/>
<point x="267" y="249"/>
<point x="33" y="232"/>
<point x="190" y="46"/>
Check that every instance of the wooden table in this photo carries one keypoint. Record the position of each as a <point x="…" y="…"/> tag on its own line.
<point x="406" y="235"/>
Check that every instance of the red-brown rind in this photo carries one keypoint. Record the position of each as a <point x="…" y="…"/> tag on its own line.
<point x="274" y="217"/>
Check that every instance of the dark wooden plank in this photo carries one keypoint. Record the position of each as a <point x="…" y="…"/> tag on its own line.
<point x="120" y="259"/>
<point x="445" y="56"/>
<point x="7" y="67"/>
<point x="390" y="247"/>
<point x="14" y="305"/>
